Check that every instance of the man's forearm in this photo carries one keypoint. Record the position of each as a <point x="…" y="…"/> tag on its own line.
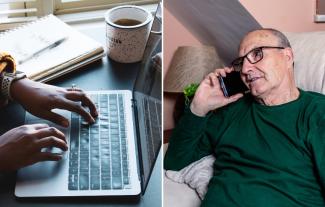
<point x="185" y="144"/>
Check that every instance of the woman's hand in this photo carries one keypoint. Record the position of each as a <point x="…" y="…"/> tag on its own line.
<point x="22" y="146"/>
<point x="39" y="99"/>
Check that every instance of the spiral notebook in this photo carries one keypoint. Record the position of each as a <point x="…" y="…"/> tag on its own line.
<point x="47" y="48"/>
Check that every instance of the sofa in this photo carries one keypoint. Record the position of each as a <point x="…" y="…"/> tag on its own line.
<point x="309" y="58"/>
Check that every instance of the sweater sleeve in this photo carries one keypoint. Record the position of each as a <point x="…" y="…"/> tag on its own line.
<point x="7" y="64"/>
<point x="316" y="139"/>
<point x="188" y="141"/>
<point x="195" y="137"/>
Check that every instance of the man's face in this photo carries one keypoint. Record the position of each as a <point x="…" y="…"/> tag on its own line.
<point x="267" y="75"/>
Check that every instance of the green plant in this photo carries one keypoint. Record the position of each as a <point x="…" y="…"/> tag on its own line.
<point x="189" y="92"/>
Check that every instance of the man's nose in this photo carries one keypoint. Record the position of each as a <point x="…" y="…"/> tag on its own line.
<point x="247" y="66"/>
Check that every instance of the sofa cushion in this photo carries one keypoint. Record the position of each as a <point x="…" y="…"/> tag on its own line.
<point x="309" y="56"/>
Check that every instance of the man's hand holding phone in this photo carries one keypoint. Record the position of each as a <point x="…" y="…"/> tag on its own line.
<point x="209" y="95"/>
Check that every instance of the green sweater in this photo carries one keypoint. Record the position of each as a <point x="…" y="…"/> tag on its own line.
<point x="266" y="156"/>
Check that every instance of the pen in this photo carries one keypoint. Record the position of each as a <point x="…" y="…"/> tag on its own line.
<point x="50" y="46"/>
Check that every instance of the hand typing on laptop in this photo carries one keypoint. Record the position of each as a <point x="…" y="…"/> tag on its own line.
<point x="40" y="99"/>
<point x="24" y="145"/>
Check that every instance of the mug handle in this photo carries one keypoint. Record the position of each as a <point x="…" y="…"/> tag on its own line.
<point x="158" y="18"/>
<point x="156" y="32"/>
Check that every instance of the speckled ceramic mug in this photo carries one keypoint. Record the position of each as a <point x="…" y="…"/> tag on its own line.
<point x="127" y="31"/>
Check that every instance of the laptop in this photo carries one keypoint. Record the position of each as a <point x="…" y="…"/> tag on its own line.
<point x="116" y="155"/>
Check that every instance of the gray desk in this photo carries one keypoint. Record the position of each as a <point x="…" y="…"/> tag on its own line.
<point x="106" y="75"/>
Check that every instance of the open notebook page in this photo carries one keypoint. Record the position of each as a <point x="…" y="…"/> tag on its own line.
<point x="27" y="40"/>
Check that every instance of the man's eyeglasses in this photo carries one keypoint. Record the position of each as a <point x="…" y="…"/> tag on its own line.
<point x="253" y="56"/>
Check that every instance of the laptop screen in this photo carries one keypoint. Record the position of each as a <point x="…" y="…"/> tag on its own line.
<point x="147" y="98"/>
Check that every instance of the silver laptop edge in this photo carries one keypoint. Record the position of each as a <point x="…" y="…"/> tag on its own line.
<point x="50" y="179"/>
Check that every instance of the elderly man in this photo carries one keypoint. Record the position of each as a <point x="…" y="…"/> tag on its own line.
<point x="270" y="144"/>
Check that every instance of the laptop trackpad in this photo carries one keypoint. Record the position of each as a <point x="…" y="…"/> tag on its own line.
<point x="47" y="169"/>
<point x="41" y="170"/>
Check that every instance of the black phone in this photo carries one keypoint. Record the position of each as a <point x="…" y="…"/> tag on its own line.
<point x="232" y="84"/>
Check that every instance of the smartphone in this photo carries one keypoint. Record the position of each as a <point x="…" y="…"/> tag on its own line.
<point x="232" y="84"/>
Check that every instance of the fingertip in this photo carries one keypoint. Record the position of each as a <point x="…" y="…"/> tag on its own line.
<point x="65" y="142"/>
<point x="53" y="157"/>
<point x="40" y="125"/>
<point x="235" y="97"/>
<point x="228" y="69"/>
<point x="58" y="157"/>
<point x="94" y="113"/>
<point x="238" y="96"/>
<point x="89" y="121"/>
<point x="223" y="73"/>
<point x="65" y="123"/>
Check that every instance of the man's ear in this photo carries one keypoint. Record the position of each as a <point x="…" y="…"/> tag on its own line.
<point x="288" y="52"/>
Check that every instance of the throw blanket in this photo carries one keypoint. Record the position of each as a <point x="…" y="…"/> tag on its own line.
<point x="197" y="175"/>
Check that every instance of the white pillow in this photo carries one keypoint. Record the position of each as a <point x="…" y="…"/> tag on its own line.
<point x="197" y="175"/>
<point x="309" y="56"/>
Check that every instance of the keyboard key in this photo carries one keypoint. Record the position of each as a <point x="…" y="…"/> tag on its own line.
<point x="73" y="182"/>
<point x="126" y="180"/>
<point x="73" y="170"/>
<point x="94" y="182"/>
<point x="84" y="181"/>
<point x="117" y="183"/>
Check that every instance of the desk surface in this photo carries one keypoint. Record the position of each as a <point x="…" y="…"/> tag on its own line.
<point x="101" y="75"/>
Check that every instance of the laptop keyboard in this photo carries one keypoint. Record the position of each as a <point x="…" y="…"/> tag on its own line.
<point x="98" y="152"/>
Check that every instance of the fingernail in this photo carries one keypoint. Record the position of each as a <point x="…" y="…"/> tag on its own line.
<point x="65" y="123"/>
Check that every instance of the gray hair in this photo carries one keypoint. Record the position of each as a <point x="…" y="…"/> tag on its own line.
<point x="282" y="39"/>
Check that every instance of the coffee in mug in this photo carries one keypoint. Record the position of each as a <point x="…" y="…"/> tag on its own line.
<point x="127" y="31"/>
<point x="127" y="22"/>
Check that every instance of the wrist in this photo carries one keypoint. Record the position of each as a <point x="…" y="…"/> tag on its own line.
<point x="197" y="111"/>
<point x="17" y="89"/>
<point x="6" y="83"/>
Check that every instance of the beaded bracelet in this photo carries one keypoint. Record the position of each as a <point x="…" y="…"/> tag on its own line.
<point x="7" y="80"/>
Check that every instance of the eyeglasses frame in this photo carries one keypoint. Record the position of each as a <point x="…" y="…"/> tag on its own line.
<point x="245" y="56"/>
